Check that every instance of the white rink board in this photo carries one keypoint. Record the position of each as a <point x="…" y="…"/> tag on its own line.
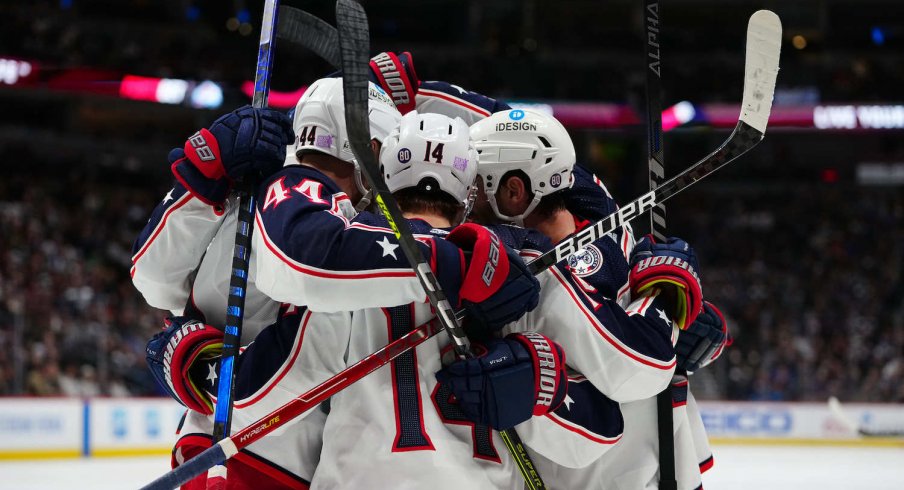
<point x="131" y="424"/>
<point x="41" y="424"/>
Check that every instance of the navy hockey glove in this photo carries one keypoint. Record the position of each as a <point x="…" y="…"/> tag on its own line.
<point x="672" y="268"/>
<point x="181" y="358"/>
<point x="703" y="342"/>
<point x="587" y="198"/>
<point x="396" y="75"/>
<point x="245" y="142"/>
<point x="497" y="287"/>
<point x="510" y="381"/>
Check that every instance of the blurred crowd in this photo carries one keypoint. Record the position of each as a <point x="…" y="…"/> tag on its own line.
<point x="70" y="321"/>
<point x="811" y="279"/>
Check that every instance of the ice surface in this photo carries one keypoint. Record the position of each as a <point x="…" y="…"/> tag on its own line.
<point x="736" y="468"/>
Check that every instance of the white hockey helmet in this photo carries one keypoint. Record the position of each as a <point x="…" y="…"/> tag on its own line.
<point x="526" y="140"/>
<point x="428" y="150"/>
<point x="319" y="122"/>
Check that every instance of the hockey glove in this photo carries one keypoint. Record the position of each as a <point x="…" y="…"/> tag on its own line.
<point x="511" y="380"/>
<point x="183" y="357"/>
<point x="587" y="197"/>
<point x="703" y="342"/>
<point x="245" y="142"/>
<point x="396" y="75"/>
<point x="672" y="268"/>
<point x="497" y="287"/>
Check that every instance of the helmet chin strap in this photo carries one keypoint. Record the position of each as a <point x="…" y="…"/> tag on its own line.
<point x="519" y="219"/>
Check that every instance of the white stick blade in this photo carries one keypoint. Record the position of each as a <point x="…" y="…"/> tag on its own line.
<point x="764" y="43"/>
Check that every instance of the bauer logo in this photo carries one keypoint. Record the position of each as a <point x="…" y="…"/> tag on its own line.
<point x="555" y="180"/>
<point x="404" y="155"/>
<point x="586" y="261"/>
<point x="516" y="115"/>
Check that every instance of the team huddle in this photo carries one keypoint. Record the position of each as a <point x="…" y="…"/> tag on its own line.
<point x="573" y="357"/>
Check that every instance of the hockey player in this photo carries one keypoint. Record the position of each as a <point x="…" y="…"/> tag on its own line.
<point x="398" y="426"/>
<point x="515" y="162"/>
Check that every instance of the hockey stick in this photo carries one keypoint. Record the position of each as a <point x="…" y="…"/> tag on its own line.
<point x="285" y="414"/>
<point x="354" y="49"/>
<point x="299" y="28"/>
<point x="656" y="164"/>
<point x="759" y="85"/>
<point x="764" y="35"/>
<point x="238" y="283"/>
<point x="839" y="414"/>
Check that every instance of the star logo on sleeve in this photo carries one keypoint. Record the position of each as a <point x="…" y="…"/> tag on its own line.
<point x="388" y="248"/>
<point x="664" y="317"/>
<point x="212" y="373"/>
<point x="568" y="402"/>
<point x="169" y="196"/>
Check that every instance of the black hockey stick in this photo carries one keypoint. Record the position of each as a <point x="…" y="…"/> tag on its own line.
<point x="354" y="47"/>
<point x="656" y="164"/>
<point x="300" y="28"/>
<point x="238" y="283"/>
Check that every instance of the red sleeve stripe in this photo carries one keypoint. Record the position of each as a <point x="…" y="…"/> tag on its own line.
<point x="706" y="464"/>
<point x="655" y="363"/>
<point x="176" y="205"/>
<point x="455" y="100"/>
<point x="283" y="370"/>
<point x="312" y="271"/>
<point x="582" y="431"/>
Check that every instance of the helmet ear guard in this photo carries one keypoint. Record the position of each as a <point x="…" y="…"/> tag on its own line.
<point x="526" y="140"/>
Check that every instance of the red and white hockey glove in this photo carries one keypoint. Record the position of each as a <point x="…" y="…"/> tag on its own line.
<point x="183" y="357"/>
<point x="497" y="288"/>
<point x="672" y="268"/>
<point x="245" y="142"/>
<point x="395" y="74"/>
<point x="511" y="380"/>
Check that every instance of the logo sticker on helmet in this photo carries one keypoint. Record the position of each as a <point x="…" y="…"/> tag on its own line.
<point x="404" y="155"/>
<point x="460" y="164"/>
<point x="586" y="261"/>
<point x="516" y="115"/>
<point x="555" y="180"/>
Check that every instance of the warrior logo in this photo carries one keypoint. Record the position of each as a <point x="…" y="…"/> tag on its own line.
<point x="586" y="261"/>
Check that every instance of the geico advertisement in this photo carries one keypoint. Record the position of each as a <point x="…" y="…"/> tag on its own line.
<point x="798" y="420"/>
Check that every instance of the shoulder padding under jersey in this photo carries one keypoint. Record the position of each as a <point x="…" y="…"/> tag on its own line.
<point x="310" y="252"/>
<point x="454" y="101"/>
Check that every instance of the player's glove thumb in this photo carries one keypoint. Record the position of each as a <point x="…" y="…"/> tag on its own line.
<point x="497" y="287"/>
<point x="672" y="268"/>
<point x="395" y="74"/>
<point x="510" y="381"/>
<point x="702" y="342"/>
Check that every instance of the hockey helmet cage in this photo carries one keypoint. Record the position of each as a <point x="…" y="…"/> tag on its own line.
<point x="526" y="140"/>
<point x="428" y="150"/>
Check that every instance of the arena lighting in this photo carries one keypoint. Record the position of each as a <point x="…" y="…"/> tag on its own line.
<point x="277" y="99"/>
<point x="205" y="95"/>
<point x="680" y="113"/>
<point x="13" y="71"/>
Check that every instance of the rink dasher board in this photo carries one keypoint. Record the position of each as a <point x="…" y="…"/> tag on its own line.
<point x="36" y="428"/>
<point x="33" y="428"/>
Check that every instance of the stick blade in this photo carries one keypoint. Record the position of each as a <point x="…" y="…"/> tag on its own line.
<point x="299" y="27"/>
<point x="764" y="42"/>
